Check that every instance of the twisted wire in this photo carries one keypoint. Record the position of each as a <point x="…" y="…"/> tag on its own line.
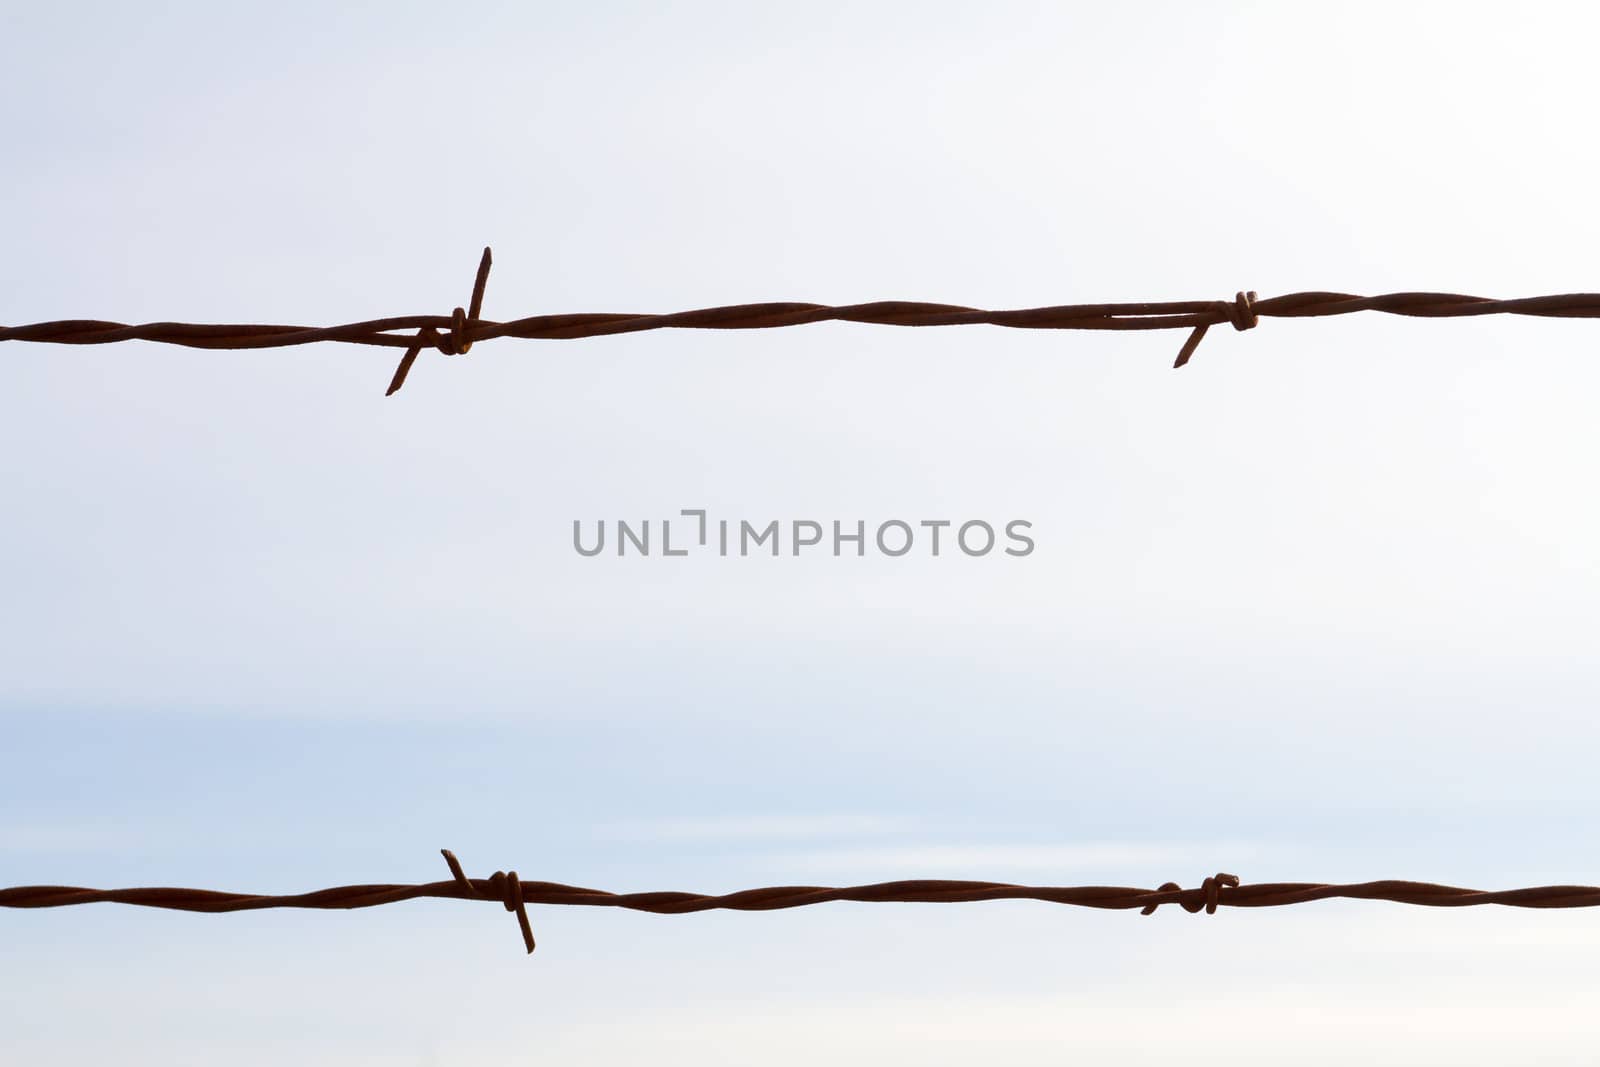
<point x="454" y="334"/>
<point x="1221" y="890"/>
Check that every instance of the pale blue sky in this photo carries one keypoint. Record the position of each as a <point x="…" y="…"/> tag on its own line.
<point x="1324" y="605"/>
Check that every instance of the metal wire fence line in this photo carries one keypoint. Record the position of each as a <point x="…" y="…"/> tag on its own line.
<point x="1218" y="891"/>
<point x="455" y="334"/>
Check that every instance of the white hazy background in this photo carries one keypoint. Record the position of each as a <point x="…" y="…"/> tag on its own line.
<point x="1322" y="606"/>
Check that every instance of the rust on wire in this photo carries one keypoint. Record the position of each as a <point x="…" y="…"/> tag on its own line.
<point x="454" y="334"/>
<point x="1221" y="890"/>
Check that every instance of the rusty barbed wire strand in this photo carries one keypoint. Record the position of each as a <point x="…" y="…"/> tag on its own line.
<point x="1221" y="890"/>
<point x="456" y="333"/>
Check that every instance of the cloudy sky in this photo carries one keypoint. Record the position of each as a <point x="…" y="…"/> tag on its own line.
<point x="1323" y="605"/>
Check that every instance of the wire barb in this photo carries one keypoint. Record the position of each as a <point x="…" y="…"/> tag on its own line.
<point x="1241" y="313"/>
<point x="454" y="343"/>
<point x="1211" y="887"/>
<point x="505" y="887"/>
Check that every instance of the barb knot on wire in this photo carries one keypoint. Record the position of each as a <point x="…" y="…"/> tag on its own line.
<point x="459" y="338"/>
<point x="1242" y="313"/>
<point x="1212" y="887"/>
<point x="504" y="886"/>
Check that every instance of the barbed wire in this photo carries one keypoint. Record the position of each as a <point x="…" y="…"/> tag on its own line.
<point x="456" y="333"/>
<point x="1218" y="891"/>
